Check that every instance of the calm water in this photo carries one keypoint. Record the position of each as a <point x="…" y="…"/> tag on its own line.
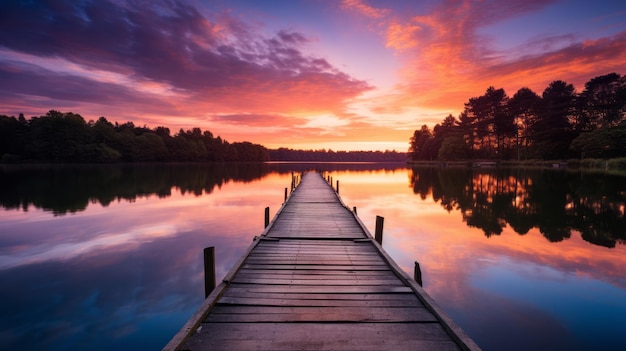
<point x="110" y="257"/>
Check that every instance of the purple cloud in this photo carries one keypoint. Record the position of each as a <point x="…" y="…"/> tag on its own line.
<point x="171" y="43"/>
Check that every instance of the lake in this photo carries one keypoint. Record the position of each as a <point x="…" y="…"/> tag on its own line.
<point x="110" y="256"/>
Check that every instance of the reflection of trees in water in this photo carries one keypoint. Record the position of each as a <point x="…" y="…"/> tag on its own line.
<point x="64" y="189"/>
<point x="555" y="202"/>
<point x="71" y="188"/>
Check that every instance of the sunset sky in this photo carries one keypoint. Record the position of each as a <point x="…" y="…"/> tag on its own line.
<point x="345" y="75"/>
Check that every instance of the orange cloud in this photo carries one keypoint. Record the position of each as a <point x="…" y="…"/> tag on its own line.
<point x="401" y="37"/>
<point x="448" y="60"/>
<point x="364" y="9"/>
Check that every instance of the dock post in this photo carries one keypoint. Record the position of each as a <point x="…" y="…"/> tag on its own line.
<point x="337" y="186"/>
<point x="286" y="194"/>
<point x="354" y="210"/>
<point x="417" y="273"/>
<point x="378" y="234"/>
<point x="267" y="216"/>
<point x="209" y="270"/>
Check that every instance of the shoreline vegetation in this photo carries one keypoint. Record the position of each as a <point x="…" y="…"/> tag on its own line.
<point x="614" y="164"/>
<point x="586" y="129"/>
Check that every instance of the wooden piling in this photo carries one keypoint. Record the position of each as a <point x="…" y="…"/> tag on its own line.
<point x="267" y="216"/>
<point x="378" y="234"/>
<point x="354" y="210"/>
<point x="209" y="270"/>
<point x="337" y="186"/>
<point x="285" y="195"/>
<point x="417" y="274"/>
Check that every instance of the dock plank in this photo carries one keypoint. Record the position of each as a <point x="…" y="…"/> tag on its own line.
<point x="315" y="280"/>
<point x="285" y="314"/>
<point x="323" y="336"/>
<point x="253" y="300"/>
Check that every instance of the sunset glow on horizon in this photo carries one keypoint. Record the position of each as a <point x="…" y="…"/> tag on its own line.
<point x="303" y="74"/>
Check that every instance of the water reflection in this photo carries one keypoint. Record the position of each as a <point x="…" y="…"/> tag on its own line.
<point x="507" y="291"/>
<point x="556" y="202"/>
<point x="118" y="264"/>
<point x="110" y="257"/>
<point x="69" y="189"/>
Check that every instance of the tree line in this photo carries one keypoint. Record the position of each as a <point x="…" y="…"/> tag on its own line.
<point x="67" y="137"/>
<point x="559" y="124"/>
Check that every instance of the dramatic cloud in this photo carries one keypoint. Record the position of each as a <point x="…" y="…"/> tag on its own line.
<point x="328" y="72"/>
<point x="449" y="57"/>
<point x="219" y="60"/>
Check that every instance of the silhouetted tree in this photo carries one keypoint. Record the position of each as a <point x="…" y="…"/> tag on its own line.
<point x="523" y="107"/>
<point x="527" y="125"/>
<point x="421" y="144"/>
<point x="66" y="137"/>
<point x="487" y="124"/>
<point x="552" y="132"/>
<point x="600" y="104"/>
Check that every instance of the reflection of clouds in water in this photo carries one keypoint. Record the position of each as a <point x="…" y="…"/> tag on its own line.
<point x="122" y="241"/>
<point x="110" y="290"/>
<point x="497" y="320"/>
<point x="456" y="259"/>
<point x="125" y="276"/>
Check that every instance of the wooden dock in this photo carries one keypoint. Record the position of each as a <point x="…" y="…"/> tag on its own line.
<point x="316" y="280"/>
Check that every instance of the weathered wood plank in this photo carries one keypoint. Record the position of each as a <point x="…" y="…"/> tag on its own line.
<point x="287" y="314"/>
<point x="326" y="336"/>
<point x="251" y="300"/>
<point x="315" y="272"/>
<point x="322" y="296"/>
<point x="318" y="282"/>
<point x="313" y="262"/>
<point x="337" y="275"/>
<point x="366" y="289"/>
<point x="316" y="254"/>
<point x="379" y="267"/>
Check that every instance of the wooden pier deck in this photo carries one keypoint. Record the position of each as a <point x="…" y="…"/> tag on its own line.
<point x="316" y="280"/>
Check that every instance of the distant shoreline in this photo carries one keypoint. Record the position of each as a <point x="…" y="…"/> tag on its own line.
<point x="595" y="164"/>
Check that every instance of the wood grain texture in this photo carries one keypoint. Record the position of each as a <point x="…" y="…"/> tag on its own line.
<point x="316" y="281"/>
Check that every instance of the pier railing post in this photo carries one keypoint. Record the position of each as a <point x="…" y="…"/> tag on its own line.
<point x="267" y="217"/>
<point x="286" y="193"/>
<point x="378" y="234"/>
<point x="354" y="210"/>
<point x="209" y="270"/>
<point x="337" y="186"/>
<point x="417" y="273"/>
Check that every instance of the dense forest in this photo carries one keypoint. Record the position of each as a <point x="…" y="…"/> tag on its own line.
<point x="67" y="137"/>
<point x="558" y="125"/>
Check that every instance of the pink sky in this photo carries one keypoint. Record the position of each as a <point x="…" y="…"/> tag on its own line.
<point x="345" y="75"/>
